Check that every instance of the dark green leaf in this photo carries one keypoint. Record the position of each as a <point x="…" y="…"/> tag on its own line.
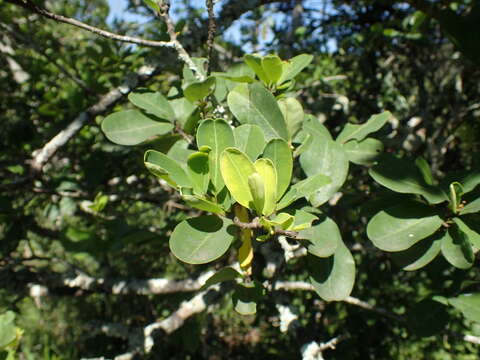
<point x="360" y="132"/>
<point x="468" y="304"/>
<point x="222" y="275"/>
<point x="333" y="277"/>
<point x="246" y="297"/>
<point x="202" y="239"/>
<point x="256" y="105"/>
<point x="218" y="135"/>
<point x="399" y="227"/>
<point x="327" y="157"/>
<point x="199" y="90"/>
<point x="154" y="103"/>
<point x="279" y="152"/>
<point x="403" y="176"/>
<point x="132" y="127"/>
<point x="323" y="238"/>
<point x="363" y="152"/>
<point x="419" y="254"/>
<point x="198" y="170"/>
<point x="456" y="249"/>
<point x="472" y="236"/>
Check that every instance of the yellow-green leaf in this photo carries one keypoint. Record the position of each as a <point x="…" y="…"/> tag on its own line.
<point x="203" y="204"/>
<point x="235" y="168"/>
<point x="272" y="66"/>
<point x="257" y="189"/>
<point x="267" y="171"/>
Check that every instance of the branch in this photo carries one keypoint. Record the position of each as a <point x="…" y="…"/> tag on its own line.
<point x="26" y="4"/>
<point x="255" y="224"/>
<point x="43" y="155"/>
<point x="212" y="28"/>
<point x="187" y="309"/>
<point x="182" y="53"/>
<point x="313" y="350"/>
<point x="305" y="286"/>
<point x="155" y="286"/>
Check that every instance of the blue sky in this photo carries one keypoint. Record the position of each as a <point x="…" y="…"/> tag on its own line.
<point x="118" y="10"/>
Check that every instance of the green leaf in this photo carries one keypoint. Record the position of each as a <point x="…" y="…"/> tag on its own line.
<point x="257" y="189"/>
<point x="360" y="132"/>
<point x="311" y="125"/>
<point x="180" y="152"/>
<point x="399" y="227"/>
<point x="363" y="152"/>
<point x="199" y="90"/>
<point x="303" y="219"/>
<point x="222" y="275"/>
<point x="402" y="175"/>
<point x="246" y="296"/>
<point x="327" y="157"/>
<point x="267" y="171"/>
<point x="152" y="4"/>
<point x="198" y="169"/>
<point x="472" y="207"/>
<point x="202" y="239"/>
<point x="280" y="153"/>
<point x="239" y="79"/>
<point x="333" y="277"/>
<point x="8" y="331"/>
<point x="472" y="236"/>
<point x="284" y="220"/>
<point x="468" y="304"/>
<point x="470" y="180"/>
<point x="218" y="135"/>
<point x="427" y="318"/>
<point x="132" y="127"/>
<point x="236" y="167"/>
<point x="99" y="202"/>
<point x="253" y="104"/>
<point x="294" y="66"/>
<point x="322" y="238"/>
<point x="272" y="66"/>
<point x="165" y="168"/>
<point x="183" y="109"/>
<point x="304" y="188"/>
<point x="203" y="204"/>
<point x="425" y="170"/>
<point x="293" y="114"/>
<point x="420" y="254"/>
<point x="255" y="63"/>
<point x="154" y="103"/>
<point x="249" y="139"/>
<point x="456" y="249"/>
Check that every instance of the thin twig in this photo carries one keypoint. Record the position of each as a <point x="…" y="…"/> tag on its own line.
<point x="212" y="28"/>
<point x="27" y="4"/>
<point x="255" y="224"/>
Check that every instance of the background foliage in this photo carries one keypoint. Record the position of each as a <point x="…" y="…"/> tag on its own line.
<point x="94" y="209"/>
